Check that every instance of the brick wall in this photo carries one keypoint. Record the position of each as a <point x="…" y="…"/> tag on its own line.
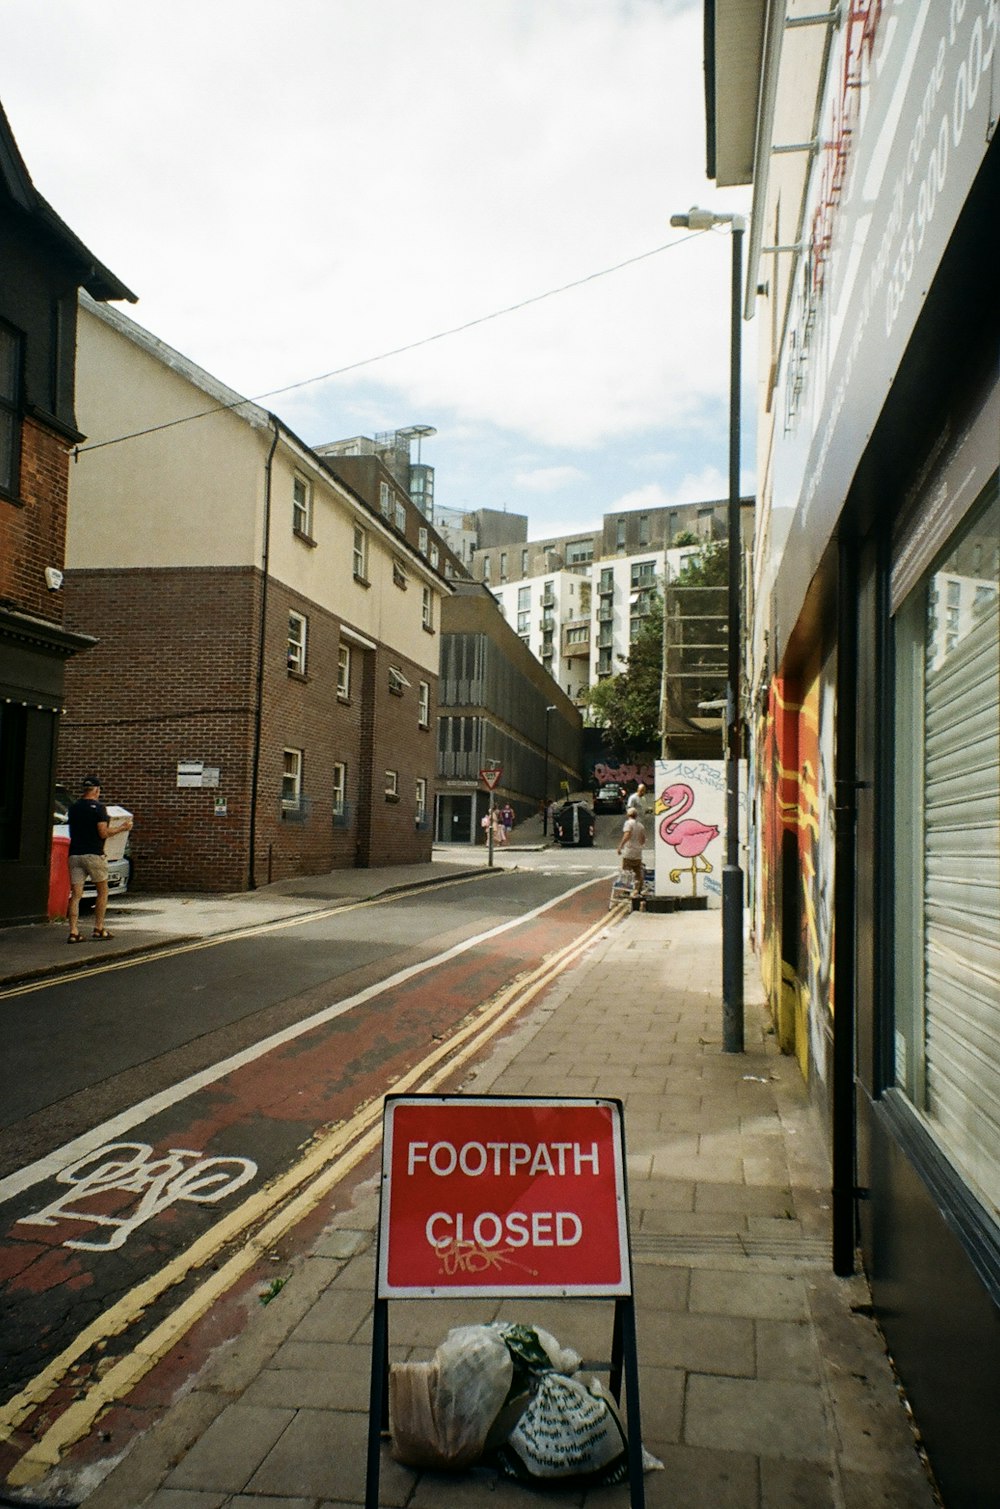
<point x="171" y="679"/>
<point x="33" y="536"/>
<point x="174" y="678"/>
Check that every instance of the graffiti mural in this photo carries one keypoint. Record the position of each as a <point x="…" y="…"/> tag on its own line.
<point x="795" y="739"/>
<point x="689" y="821"/>
<point x="623" y="773"/>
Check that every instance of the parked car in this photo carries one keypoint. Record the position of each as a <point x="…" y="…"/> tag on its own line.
<point x="609" y="798"/>
<point x="119" y="870"/>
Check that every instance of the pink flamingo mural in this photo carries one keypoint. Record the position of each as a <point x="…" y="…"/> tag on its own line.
<point x="685" y="834"/>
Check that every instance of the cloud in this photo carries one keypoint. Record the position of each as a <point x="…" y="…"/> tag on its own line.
<point x="549" y="479"/>
<point x="296" y="192"/>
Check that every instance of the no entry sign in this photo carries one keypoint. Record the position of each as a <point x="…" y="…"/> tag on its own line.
<point x="494" y="1194"/>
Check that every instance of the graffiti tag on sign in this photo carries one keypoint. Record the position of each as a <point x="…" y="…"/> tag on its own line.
<point x="122" y="1185"/>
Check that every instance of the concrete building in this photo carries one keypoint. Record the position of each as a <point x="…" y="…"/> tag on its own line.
<point x="496" y="703"/>
<point x="868" y="132"/>
<point x="44" y="264"/>
<point x="577" y="601"/>
<point x="263" y="695"/>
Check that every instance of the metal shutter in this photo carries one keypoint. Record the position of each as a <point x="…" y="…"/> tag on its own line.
<point x="962" y="903"/>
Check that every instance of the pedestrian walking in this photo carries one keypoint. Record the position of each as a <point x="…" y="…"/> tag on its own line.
<point x="89" y="826"/>
<point x="630" y="847"/>
<point x="507" y="818"/>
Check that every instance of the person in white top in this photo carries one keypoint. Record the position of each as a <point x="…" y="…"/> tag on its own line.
<point x="630" y="847"/>
<point x="636" y="804"/>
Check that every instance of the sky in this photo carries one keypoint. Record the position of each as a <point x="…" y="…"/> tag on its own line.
<point x="296" y="190"/>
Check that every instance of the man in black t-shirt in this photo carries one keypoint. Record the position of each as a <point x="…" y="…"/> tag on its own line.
<point x="89" y="826"/>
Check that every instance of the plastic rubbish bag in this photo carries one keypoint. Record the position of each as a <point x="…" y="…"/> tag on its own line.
<point x="504" y="1393"/>
<point x="440" y="1412"/>
<point x="569" y="1435"/>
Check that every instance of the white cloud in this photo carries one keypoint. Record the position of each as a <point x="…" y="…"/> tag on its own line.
<point x="549" y="479"/>
<point x="294" y="191"/>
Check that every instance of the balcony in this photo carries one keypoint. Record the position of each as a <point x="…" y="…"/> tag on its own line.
<point x="576" y="639"/>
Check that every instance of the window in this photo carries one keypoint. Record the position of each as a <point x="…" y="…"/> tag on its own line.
<point x="947" y="855"/>
<point x="424" y="705"/>
<point x="523" y="599"/>
<point x="401" y="517"/>
<point x="385" y="500"/>
<point x="301" y="506"/>
<point x="422" y="538"/>
<point x="397" y="681"/>
<point x="399" y="575"/>
<point x="486" y="568"/>
<point x="607" y="581"/>
<point x="427" y="609"/>
<point x="524" y="623"/>
<point x="360" y="554"/>
<point x="343" y="671"/>
<point x="421" y="802"/>
<point x="503" y="565"/>
<point x="643" y="573"/>
<point x="297" y="630"/>
<point x="10" y="410"/>
<point x="291" y="783"/>
<point x="620" y="536"/>
<point x="643" y="529"/>
<point x="392" y="785"/>
<point x="435" y="557"/>
<point x="524" y="563"/>
<point x="339" y="791"/>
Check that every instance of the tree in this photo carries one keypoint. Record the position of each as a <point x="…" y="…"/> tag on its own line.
<point x="709" y="568"/>
<point x="627" y="706"/>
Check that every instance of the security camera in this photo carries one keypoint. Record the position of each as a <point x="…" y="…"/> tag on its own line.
<point x="53" y="578"/>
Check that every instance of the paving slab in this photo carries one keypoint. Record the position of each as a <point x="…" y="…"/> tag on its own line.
<point x="763" y="1378"/>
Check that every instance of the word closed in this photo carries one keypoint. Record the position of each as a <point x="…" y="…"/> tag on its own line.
<point x="502" y="1194"/>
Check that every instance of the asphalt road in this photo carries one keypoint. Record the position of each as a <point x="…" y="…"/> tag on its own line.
<point x="148" y="1099"/>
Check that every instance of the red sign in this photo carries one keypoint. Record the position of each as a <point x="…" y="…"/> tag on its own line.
<point x="491" y="777"/>
<point x="487" y="1195"/>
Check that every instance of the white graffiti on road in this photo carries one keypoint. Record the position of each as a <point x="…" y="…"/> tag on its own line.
<point x="132" y="1169"/>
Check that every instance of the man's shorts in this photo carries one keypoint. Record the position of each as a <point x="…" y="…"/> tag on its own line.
<point x="87" y="867"/>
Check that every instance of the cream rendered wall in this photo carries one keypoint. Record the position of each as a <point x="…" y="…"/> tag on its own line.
<point x="324" y="573"/>
<point x="191" y="495"/>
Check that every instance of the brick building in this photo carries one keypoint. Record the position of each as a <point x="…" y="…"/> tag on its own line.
<point x="43" y="265"/>
<point x="263" y="694"/>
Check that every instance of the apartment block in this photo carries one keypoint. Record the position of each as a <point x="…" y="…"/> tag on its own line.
<point x="263" y="692"/>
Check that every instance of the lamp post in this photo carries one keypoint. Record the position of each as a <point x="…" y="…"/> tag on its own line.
<point x="545" y="799"/>
<point x="732" y="875"/>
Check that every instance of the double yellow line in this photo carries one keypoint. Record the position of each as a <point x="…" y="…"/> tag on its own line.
<point x="260" y="1222"/>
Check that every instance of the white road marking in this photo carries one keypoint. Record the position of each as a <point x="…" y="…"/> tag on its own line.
<point x="118" y="1126"/>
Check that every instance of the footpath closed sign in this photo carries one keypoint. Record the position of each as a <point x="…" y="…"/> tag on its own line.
<point x="486" y="1195"/>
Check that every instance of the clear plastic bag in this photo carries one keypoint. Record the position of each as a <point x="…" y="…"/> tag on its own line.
<point x="440" y="1412"/>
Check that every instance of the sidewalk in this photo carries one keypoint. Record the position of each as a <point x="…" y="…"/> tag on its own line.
<point x="763" y="1379"/>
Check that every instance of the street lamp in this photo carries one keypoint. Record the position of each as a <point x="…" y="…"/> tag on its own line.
<point x="545" y="801"/>
<point x="732" y="876"/>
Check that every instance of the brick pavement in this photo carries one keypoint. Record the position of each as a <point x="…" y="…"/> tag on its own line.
<point x="764" y="1383"/>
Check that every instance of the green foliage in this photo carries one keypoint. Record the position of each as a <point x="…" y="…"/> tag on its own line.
<point x="685" y="537"/>
<point x="627" y="706"/>
<point x="710" y="568"/>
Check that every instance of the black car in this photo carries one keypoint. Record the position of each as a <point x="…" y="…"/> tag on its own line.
<point x="610" y="798"/>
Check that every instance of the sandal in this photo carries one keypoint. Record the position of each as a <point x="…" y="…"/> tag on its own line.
<point x="75" y="938"/>
<point x="102" y="932"/>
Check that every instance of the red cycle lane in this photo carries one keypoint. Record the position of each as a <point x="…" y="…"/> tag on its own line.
<point x="74" y="1245"/>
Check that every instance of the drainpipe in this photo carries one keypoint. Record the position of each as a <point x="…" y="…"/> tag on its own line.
<point x="259" y="708"/>
<point x="844" y="912"/>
